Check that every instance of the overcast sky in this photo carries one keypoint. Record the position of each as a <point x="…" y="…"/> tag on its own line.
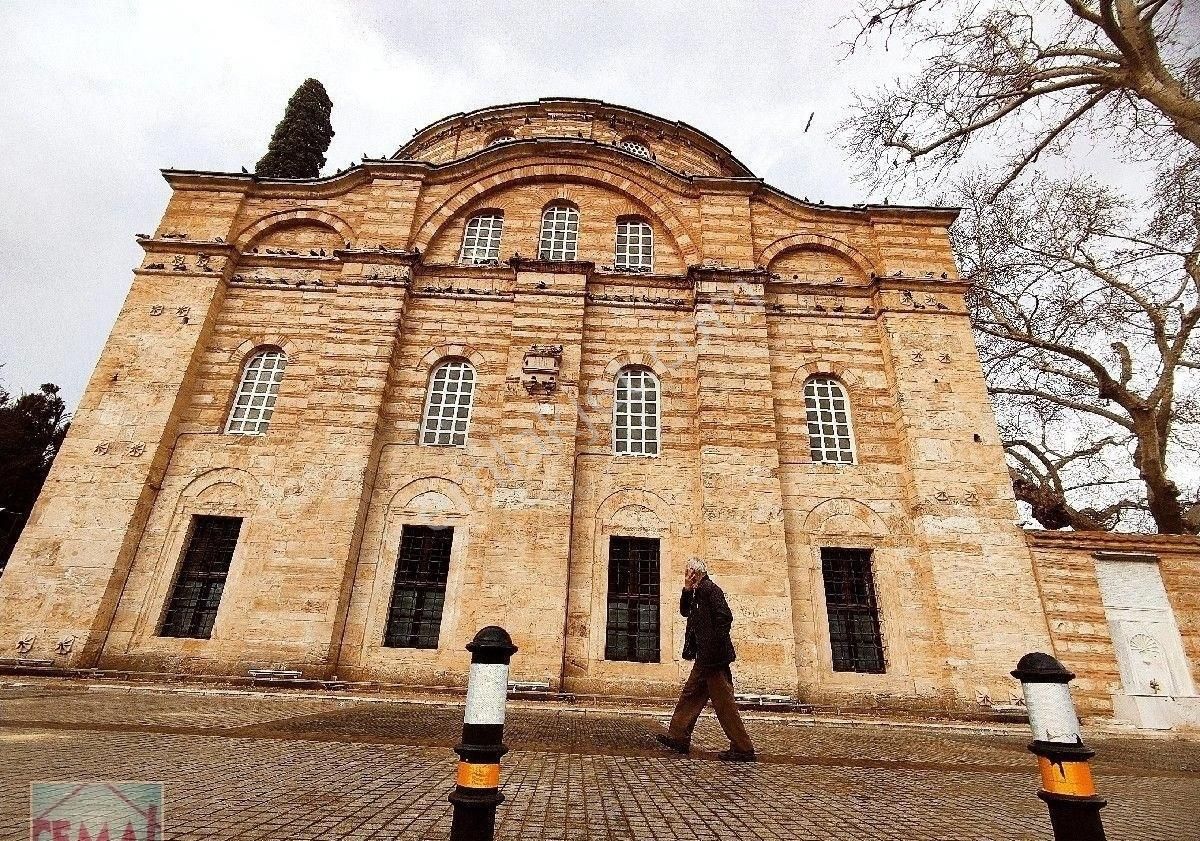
<point x="96" y="98"/>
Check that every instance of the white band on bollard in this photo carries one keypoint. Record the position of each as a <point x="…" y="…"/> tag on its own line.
<point x="487" y="689"/>
<point x="1051" y="712"/>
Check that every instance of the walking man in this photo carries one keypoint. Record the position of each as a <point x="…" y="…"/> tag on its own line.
<point x="707" y="642"/>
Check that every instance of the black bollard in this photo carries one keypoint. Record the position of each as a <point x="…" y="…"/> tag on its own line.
<point x="1067" y="786"/>
<point x="477" y="790"/>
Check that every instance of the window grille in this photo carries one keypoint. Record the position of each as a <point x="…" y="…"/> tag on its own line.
<point x="419" y="592"/>
<point x="633" y="603"/>
<point x="636" y="147"/>
<point x="502" y="137"/>
<point x="829" y="435"/>
<point x="560" y="233"/>
<point x="635" y="245"/>
<point x="854" y="636"/>
<point x="196" y="595"/>
<point x="636" y="413"/>
<point x="448" y="406"/>
<point x="255" y="400"/>
<point x="481" y="238"/>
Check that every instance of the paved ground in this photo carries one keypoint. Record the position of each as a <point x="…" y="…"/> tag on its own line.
<point x="295" y="766"/>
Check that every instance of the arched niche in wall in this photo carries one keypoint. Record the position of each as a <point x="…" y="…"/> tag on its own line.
<point x="815" y="265"/>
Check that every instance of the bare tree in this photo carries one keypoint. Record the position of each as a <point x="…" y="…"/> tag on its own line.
<point x="1088" y="335"/>
<point x="1085" y="305"/>
<point x="1029" y="73"/>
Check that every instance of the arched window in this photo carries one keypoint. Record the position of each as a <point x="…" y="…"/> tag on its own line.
<point x="636" y="147"/>
<point x="829" y="435"/>
<point x="635" y="245"/>
<point x="636" y="413"/>
<point x="448" y="405"/>
<point x="481" y="238"/>
<point x="560" y="233"/>
<point x="255" y="401"/>
<point x="501" y="137"/>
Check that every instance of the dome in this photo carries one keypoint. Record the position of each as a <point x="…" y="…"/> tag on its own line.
<point x="675" y="146"/>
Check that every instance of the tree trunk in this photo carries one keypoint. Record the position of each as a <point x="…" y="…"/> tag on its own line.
<point x="1162" y="495"/>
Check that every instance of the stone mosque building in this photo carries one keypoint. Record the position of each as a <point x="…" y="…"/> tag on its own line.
<point x="518" y="373"/>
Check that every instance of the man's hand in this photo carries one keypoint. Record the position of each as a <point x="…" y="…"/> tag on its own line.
<point x="690" y="579"/>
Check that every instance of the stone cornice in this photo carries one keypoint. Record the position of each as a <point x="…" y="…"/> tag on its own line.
<point x="179" y="245"/>
<point x="378" y="256"/>
<point x="529" y="264"/>
<point x="910" y="214"/>
<point x="1107" y="541"/>
<point x="921" y="282"/>
<point x="756" y="274"/>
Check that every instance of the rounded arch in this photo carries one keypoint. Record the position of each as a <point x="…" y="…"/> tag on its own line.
<point x="254" y="344"/>
<point x="436" y="355"/>
<point x="622" y="180"/>
<point x="819" y="242"/>
<point x="223" y="480"/>
<point x="430" y="495"/>
<point x="630" y="506"/>
<point x="844" y="516"/>
<point x="289" y="217"/>
<point x="633" y="360"/>
<point x="822" y="367"/>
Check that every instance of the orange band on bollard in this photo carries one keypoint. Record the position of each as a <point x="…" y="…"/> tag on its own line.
<point x="1073" y="778"/>
<point x="474" y="775"/>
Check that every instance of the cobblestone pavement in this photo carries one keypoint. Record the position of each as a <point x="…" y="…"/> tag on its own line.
<point x="291" y="766"/>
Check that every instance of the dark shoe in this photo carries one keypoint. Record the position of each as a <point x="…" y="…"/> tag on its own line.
<point x="732" y="755"/>
<point x="677" y="745"/>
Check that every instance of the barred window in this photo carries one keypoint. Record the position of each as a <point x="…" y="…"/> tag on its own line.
<point x="501" y="137"/>
<point x="192" y="610"/>
<point x="636" y="413"/>
<point x="414" y="617"/>
<point x="633" y="604"/>
<point x="635" y="244"/>
<point x="481" y="238"/>
<point x="448" y="405"/>
<point x="830" y="438"/>
<point x="636" y="147"/>
<point x="255" y="400"/>
<point x="854" y="636"/>
<point x="560" y="233"/>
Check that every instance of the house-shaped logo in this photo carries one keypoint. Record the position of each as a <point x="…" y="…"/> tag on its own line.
<point x="95" y="811"/>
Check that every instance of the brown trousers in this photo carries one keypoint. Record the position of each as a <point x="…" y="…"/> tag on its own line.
<point x="703" y="684"/>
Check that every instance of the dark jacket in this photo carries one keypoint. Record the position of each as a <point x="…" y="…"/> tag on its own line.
<point x="706" y="639"/>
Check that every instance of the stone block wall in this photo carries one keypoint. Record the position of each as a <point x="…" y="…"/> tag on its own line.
<point x="356" y="278"/>
<point x="1065" y="564"/>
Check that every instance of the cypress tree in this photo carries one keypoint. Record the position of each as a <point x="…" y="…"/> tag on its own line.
<point x="297" y="149"/>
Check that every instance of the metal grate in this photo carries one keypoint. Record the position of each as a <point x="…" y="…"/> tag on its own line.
<point x="636" y="413"/>
<point x="828" y="414"/>
<point x="633" y="604"/>
<point x="635" y="245"/>
<point x="448" y="406"/>
<point x="197" y="592"/>
<point x="853" y="613"/>
<point x="419" y="592"/>
<point x="481" y="239"/>
<point x="257" y="392"/>
<point x="560" y="233"/>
